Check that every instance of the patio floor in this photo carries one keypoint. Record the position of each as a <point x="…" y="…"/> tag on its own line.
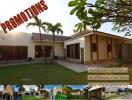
<point x="80" y="67"/>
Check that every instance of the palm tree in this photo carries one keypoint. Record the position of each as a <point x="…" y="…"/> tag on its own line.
<point x="21" y="88"/>
<point x="41" y="89"/>
<point x="54" y="29"/>
<point x="41" y="25"/>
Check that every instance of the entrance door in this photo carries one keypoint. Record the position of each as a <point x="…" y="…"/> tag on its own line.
<point x="73" y="51"/>
<point x="39" y="52"/>
<point x="48" y="51"/>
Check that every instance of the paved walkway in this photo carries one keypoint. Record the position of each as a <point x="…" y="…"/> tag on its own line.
<point x="79" y="67"/>
<point x="126" y="97"/>
<point x="19" y="63"/>
<point x="73" y="66"/>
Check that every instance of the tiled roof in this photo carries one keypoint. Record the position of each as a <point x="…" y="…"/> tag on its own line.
<point x="48" y="37"/>
<point x="86" y="32"/>
<point x="81" y="33"/>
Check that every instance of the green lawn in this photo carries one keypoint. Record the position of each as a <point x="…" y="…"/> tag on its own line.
<point x="31" y="98"/>
<point x="42" y="73"/>
<point x="130" y="74"/>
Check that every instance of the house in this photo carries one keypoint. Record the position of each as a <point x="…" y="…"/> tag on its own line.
<point x="84" y="47"/>
<point x="97" y="92"/>
<point x="47" y="42"/>
<point x="58" y="89"/>
<point x="30" y="93"/>
<point x="94" y="47"/>
<point x="8" y="93"/>
<point x="77" y="93"/>
<point x="19" y="46"/>
<point x="113" y="90"/>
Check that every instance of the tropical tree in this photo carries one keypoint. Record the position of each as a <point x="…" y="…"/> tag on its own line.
<point x="85" y="92"/>
<point x="5" y="87"/>
<point x="40" y="88"/>
<point x="119" y="91"/>
<point x="21" y="88"/>
<point x="67" y="89"/>
<point x="57" y="28"/>
<point x="119" y="12"/>
<point x="41" y="25"/>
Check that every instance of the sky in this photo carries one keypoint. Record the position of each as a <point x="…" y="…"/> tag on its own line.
<point x="58" y="11"/>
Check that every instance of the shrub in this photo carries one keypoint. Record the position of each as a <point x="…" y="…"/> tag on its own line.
<point x="30" y="59"/>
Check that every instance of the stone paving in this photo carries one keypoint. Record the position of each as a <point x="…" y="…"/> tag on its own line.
<point x="126" y="97"/>
<point x="80" y="67"/>
<point x="22" y="62"/>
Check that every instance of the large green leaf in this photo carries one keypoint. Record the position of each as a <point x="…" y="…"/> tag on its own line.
<point x="98" y="25"/>
<point x="90" y="11"/>
<point x="72" y="3"/>
<point x="79" y="15"/>
<point x="74" y="10"/>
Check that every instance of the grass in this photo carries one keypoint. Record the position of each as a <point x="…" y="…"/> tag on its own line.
<point x="31" y="98"/>
<point x="41" y="73"/>
<point x="130" y="74"/>
<point x="75" y="97"/>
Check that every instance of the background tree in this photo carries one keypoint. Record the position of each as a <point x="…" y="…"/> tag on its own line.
<point x="119" y="91"/>
<point x="119" y="12"/>
<point x="67" y="89"/>
<point x="54" y="29"/>
<point x="40" y="88"/>
<point x="21" y="88"/>
<point x="85" y="92"/>
<point x="41" y="25"/>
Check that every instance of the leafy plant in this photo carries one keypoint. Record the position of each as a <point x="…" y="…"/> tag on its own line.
<point x="119" y="12"/>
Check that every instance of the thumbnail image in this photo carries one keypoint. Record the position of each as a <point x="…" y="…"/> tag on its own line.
<point x="110" y="92"/>
<point x="43" y="92"/>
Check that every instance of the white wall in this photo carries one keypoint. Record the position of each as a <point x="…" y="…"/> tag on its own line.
<point x="74" y="41"/>
<point x="59" y="47"/>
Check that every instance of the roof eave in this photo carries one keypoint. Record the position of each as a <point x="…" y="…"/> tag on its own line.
<point x="46" y="41"/>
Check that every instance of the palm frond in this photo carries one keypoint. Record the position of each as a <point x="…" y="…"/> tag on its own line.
<point x="37" y="20"/>
<point x="46" y="23"/>
<point x="59" y="30"/>
<point x="32" y="24"/>
<point x="58" y="25"/>
<point x="44" y="28"/>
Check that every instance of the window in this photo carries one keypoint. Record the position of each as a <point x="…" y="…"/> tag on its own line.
<point x="68" y="51"/>
<point x="109" y="48"/>
<point x="94" y="47"/>
<point x="13" y="52"/>
<point x="46" y="51"/>
<point x="77" y="51"/>
<point x="73" y="51"/>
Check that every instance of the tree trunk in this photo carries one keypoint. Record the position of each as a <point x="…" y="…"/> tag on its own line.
<point x="53" y="45"/>
<point x="41" y="42"/>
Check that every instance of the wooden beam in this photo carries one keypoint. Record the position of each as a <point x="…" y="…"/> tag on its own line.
<point x="97" y="47"/>
<point x="91" y="51"/>
<point x="111" y="49"/>
<point x="107" y="48"/>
